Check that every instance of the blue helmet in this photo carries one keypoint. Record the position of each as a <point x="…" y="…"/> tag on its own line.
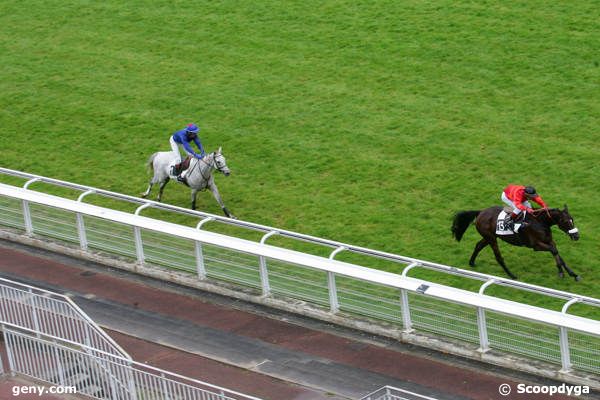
<point x="192" y="128"/>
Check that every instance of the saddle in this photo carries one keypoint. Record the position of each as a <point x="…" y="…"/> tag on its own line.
<point x="182" y="166"/>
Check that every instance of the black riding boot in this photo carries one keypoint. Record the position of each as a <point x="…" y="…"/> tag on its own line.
<point x="176" y="169"/>
<point x="518" y="219"/>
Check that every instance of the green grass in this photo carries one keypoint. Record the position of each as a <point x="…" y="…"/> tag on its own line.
<point x="367" y="123"/>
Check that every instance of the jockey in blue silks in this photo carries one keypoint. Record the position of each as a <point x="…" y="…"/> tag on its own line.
<point x="182" y="139"/>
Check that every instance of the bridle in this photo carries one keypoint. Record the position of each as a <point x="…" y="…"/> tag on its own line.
<point x="214" y="164"/>
<point x="571" y="231"/>
<point x="535" y="213"/>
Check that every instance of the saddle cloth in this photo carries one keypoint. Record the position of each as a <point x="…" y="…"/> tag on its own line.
<point x="501" y="228"/>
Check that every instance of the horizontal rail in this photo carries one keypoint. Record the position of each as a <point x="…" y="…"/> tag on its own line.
<point x="409" y="261"/>
<point x="455" y="295"/>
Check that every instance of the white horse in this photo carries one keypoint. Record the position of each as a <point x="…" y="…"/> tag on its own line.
<point x="199" y="177"/>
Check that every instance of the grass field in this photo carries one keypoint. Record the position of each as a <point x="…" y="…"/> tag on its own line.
<point x="367" y="123"/>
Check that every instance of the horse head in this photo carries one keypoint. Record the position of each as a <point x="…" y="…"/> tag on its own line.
<point x="220" y="163"/>
<point x="566" y="224"/>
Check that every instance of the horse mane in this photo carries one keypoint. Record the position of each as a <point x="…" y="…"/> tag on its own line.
<point x="547" y="217"/>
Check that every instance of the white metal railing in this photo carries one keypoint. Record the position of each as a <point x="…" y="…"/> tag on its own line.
<point x="51" y="314"/>
<point x="412" y="304"/>
<point x="102" y="375"/>
<point x="206" y="218"/>
<point x="393" y="393"/>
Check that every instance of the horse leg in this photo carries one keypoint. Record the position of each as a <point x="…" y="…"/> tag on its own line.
<point x="161" y="188"/>
<point x="478" y="247"/>
<point x="499" y="259"/>
<point x="152" y="182"/>
<point x="560" y="263"/>
<point x="217" y="195"/>
<point x="147" y="192"/>
<point x="194" y="193"/>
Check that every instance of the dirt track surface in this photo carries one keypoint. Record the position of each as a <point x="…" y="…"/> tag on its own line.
<point x="191" y="333"/>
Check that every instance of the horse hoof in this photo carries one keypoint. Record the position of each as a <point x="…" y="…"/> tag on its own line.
<point x="561" y="275"/>
<point x="472" y="264"/>
<point x="577" y="278"/>
<point x="514" y="278"/>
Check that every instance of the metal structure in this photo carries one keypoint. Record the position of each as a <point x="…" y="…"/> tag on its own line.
<point x="48" y="337"/>
<point x="102" y="375"/>
<point x="48" y="313"/>
<point x="393" y="393"/>
<point x="411" y="305"/>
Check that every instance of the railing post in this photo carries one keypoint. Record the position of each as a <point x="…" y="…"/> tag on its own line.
<point x="336" y="251"/>
<point x="137" y="233"/>
<point x="484" y="344"/>
<point x="80" y="223"/>
<point x="34" y="313"/>
<point x="59" y="362"/>
<point x="131" y="380"/>
<point x="27" y="217"/>
<point x="334" y="304"/>
<point x="139" y="246"/>
<point x="200" y="267"/>
<point x="565" y="352"/>
<point x="165" y="389"/>
<point x="81" y="232"/>
<point x="264" y="271"/>
<point x="409" y="267"/>
<point x="26" y="209"/>
<point x="10" y="343"/>
<point x="406" y="320"/>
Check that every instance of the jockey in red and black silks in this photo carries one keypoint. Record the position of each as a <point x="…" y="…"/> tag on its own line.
<point x="517" y="197"/>
<point x="182" y="139"/>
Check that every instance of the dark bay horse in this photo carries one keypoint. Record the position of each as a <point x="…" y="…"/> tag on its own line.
<point x="537" y="235"/>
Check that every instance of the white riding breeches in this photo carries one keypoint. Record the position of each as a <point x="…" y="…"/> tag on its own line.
<point x="515" y="210"/>
<point x="175" y="149"/>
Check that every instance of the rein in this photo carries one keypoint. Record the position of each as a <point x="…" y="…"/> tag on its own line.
<point x="201" y="173"/>
<point x="551" y="219"/>
<point x="212" y="165"/>
<point x="193" y="167"/>
<point x="535" y="213"/>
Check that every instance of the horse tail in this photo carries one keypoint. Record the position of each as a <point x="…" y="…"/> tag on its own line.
<point x="149" y="163"/>
<point x="461" y="222"/>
